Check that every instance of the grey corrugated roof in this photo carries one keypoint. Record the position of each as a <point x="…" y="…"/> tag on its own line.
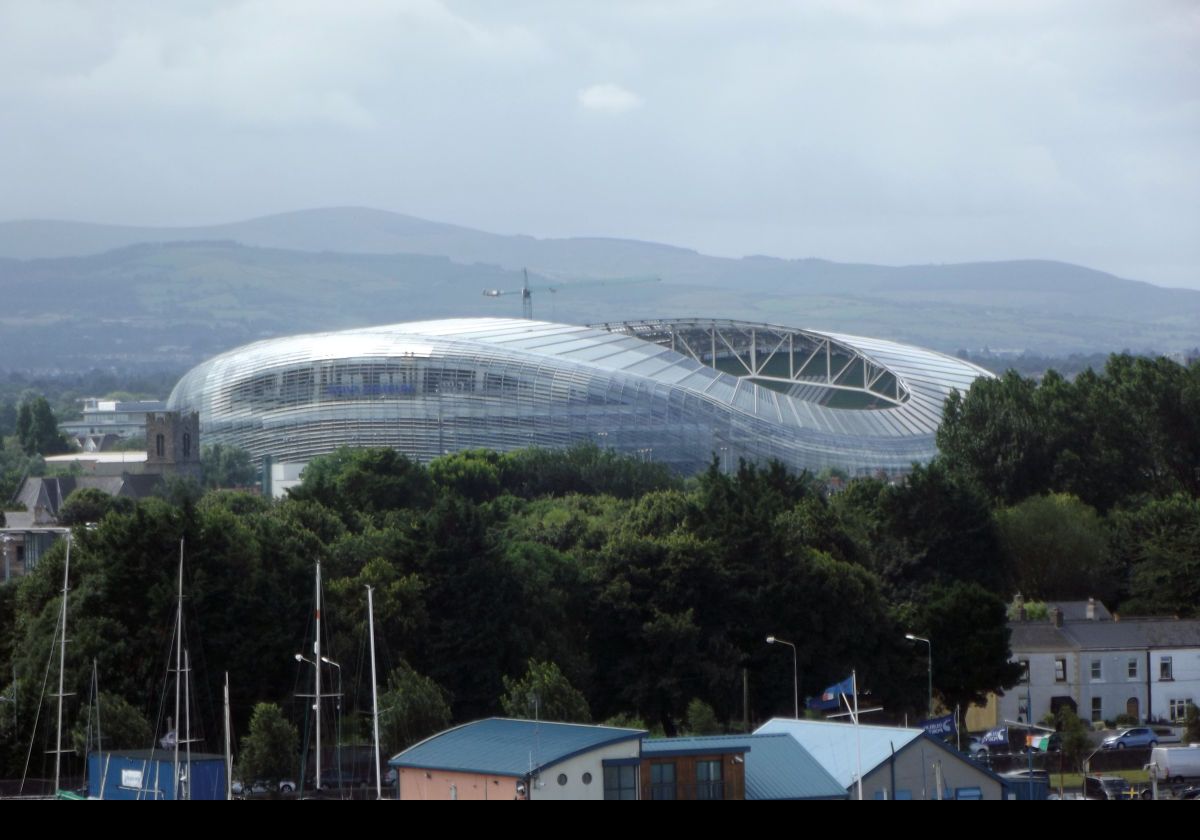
<point x="1038" y="636"/>
<point x="777" y="767"/>
<point x="1077" y="610"/>
<point x="506" y="747"/>
<point x="1134" y="633"/>
<point x="1126" y="634"/>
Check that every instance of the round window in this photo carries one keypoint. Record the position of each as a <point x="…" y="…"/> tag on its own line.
<point x="562" y="778"/>
<point x="587" y="778"/>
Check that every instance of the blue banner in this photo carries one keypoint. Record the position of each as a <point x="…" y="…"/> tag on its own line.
<point x="941" y="727"/>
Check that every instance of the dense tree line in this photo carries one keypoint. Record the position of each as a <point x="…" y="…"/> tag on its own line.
<point x="591" y="585"/>
<point x="1095" y="482"/>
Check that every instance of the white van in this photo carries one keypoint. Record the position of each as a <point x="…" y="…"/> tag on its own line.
<point x="1176" y="764"/>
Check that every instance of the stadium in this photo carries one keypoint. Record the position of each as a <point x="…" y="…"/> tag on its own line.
<point x="679" y="392"/>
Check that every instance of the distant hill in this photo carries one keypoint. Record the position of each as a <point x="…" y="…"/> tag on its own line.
<point x="78" y="294"/>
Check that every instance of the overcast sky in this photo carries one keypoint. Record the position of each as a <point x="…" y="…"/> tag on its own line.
<point x="890" y="132"/>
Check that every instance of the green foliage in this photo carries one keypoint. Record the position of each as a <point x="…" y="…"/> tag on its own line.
<point x="645" y="598"/>
<point x="534" y="472"/>
<point x="1191" y="725"/>
<point x="367" y="481"/>
<point x="1107" y="439"/>
<point x="37" y="430"/>
<point x="1076" y="740"/>
<point x="227" y="466"/>
<point x="1057" y="548"/>
<point x="702" y="719"/>
<point x="544" y="693"/>
<point x="117" y="724"/>
<point x="474" y="474"/>
<point x="412" y="707"/>
<point x="268" y="752"/>
<point x="1034" y="610"/>
<point x="88" y="504"/>
<point x="1158" y="547"/>
<point x="967" y="625"/>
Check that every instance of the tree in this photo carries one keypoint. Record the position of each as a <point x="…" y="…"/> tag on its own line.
<point x="702" y="719"/>
<point x="1076" y="742"/>
<point x="1057" y="548"/>
<point x="227" y="466"/>
<point x="37" y="429"/>
<point x="1158" y="547"/>
<point x="89" y="504"/>
<point x="1191" y="725"/>
<point x="121" y="726"/>
<point x="545" y="694"/>
<point x="268" y="753"/>
<point x="367" y="481"/>
<point x="412" y="708"/>
<point x="968" y="627"/>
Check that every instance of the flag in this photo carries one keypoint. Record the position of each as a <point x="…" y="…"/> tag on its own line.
<point x="940" y="727"/>
<point x="831" y="698"/>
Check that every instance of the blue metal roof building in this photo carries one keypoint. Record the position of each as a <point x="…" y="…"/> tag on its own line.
<point x="897" y="762"/>
<point x="547" y="760"/>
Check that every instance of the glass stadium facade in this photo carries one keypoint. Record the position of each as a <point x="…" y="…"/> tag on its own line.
<point x="679" y="392"/>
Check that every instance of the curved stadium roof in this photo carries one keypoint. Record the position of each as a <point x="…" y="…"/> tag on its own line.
<point x="679" y="391"/>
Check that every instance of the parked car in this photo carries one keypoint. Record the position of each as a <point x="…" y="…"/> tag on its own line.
<point x="1137" y="736"/>
<point x="976" y="748"/>
<point x="258" y="787"/>
<point x="1105" y="787"/>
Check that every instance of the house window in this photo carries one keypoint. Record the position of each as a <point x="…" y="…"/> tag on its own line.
<point x="1024" y="663"/>
<point x="620" y="782"/>
<point x="662" y="780"/>
<point x="1097" y="709"/>
<point x="1165" y="671"/>
<point x="1060" y="670"/>
<point x="1133" y="668"/>
<point x="1097" y="670"/>
<point x="709" y="784"/>
<point x="1178" y="709"/>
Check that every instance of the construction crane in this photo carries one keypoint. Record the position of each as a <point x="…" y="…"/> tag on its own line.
<point x="526" y="291"/>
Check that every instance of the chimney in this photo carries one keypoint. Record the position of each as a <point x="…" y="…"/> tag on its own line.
<point x="1091" y="609"/>
<point x="1057" y="615"/>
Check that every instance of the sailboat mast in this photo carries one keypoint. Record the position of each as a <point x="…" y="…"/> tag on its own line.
<point x="62" y="663"/>
<point x="228" y="751"/>
<point x="374" y="693"/>
<point x="317" y="669"/>
<point x="178" y="663"/>
<point x="187" y="715"/>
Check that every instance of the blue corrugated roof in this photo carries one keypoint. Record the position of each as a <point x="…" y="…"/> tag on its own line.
<point x="836" y="745"/>
<point x="507" y="747"/>
<point x="777" y="767"/>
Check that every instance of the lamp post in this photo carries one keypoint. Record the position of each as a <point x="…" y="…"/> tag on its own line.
<point x="772" y="640"/>
<point x="913" y="638"/>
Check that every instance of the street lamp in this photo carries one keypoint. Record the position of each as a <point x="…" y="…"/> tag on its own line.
<point x="913" y="638"/>
<point x="772" y="640"/>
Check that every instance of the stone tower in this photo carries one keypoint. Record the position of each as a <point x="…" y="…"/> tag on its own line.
<point x="173" y="443"/>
